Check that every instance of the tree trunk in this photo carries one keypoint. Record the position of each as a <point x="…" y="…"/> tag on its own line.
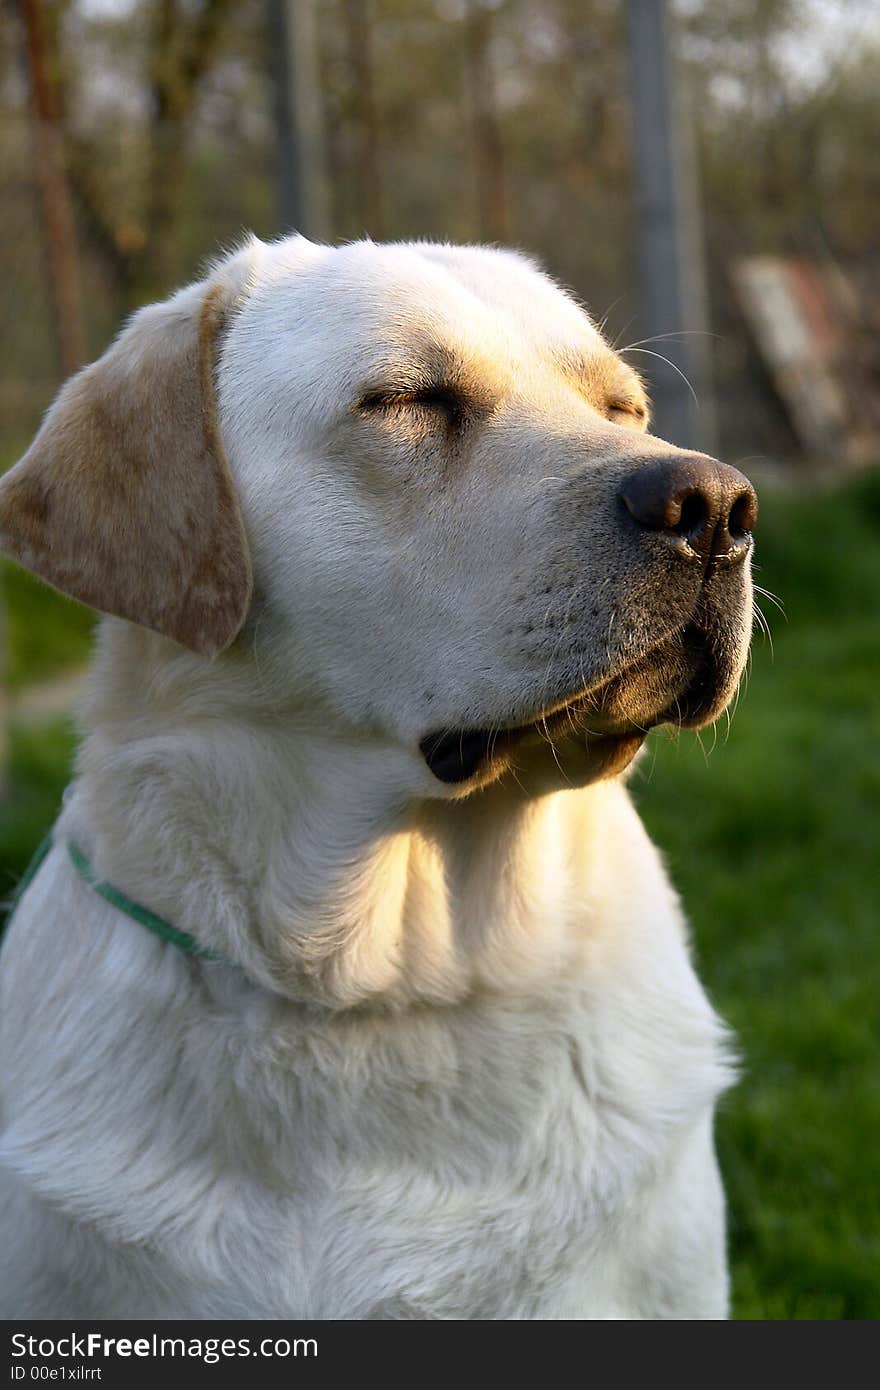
<point x="488" y="150"/>
<point x="56" y="213"/>
<point x="358" y="25"/>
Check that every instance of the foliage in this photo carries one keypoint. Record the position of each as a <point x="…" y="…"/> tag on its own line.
<point x="45" y="631"/>
<point x="39" y="768"/>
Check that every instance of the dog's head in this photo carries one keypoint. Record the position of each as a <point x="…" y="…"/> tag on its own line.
<point x="412" y="485"/>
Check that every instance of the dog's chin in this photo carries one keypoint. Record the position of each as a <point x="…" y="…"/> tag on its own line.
<point x="593" y="734"/>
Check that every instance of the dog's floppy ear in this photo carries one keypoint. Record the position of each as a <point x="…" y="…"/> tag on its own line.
<point x="125" y="499"/>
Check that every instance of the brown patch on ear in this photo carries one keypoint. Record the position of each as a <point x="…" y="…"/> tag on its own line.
<point x="125" y="499"/>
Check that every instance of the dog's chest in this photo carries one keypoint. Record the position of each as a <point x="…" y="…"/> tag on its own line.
<point x="504" y="1167"/>
<point x="503" y="1159"/>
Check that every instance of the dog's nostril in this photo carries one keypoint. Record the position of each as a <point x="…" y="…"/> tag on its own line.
<point x="694" y="513"/>
<point x="743" y="516"/>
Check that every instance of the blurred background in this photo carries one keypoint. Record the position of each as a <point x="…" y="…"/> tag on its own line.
<point x="704" y="175"/>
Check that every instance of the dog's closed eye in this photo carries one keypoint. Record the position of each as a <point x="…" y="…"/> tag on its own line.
<point x="631" y="414"/>
<point x="440" y="399"/>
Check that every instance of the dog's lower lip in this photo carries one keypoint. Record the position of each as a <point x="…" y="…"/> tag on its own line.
<point x="688" y="711"/>
<point x="454" y="755"/>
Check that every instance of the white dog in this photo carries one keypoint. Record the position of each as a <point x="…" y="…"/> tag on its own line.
<point x="398" y="584"/>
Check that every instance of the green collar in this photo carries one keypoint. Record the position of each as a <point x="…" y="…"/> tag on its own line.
<point x="157" y="925"/>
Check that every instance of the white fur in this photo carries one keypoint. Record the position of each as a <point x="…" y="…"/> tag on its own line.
<point x="459" y="1065"/>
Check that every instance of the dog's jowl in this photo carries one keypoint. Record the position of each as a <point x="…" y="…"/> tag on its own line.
<point x="350" y="984"/>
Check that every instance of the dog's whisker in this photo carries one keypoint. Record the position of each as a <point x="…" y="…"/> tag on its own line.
<point x="761" y="619"/>
<point x="630" y="321"/>
<point x="773" y="598"/>
<point x="699" y="734"/>
<point x="664" y="337"/>
<point x="659" y="355"/>
<point x="602" y="322"/>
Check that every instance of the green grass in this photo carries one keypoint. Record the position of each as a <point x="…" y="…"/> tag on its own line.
<point x="45" y="632"/>
<point x="39" y="761"/>
<point x="773" y="839"/>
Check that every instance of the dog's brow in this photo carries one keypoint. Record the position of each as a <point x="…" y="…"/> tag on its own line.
<point x="406" y="375"/>
<point x="602" y="378"/>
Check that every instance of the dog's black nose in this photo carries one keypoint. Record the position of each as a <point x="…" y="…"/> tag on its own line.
<point x="709" y="505"/>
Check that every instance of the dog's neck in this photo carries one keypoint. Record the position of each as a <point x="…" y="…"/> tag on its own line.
<point x="303" y="859"/>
